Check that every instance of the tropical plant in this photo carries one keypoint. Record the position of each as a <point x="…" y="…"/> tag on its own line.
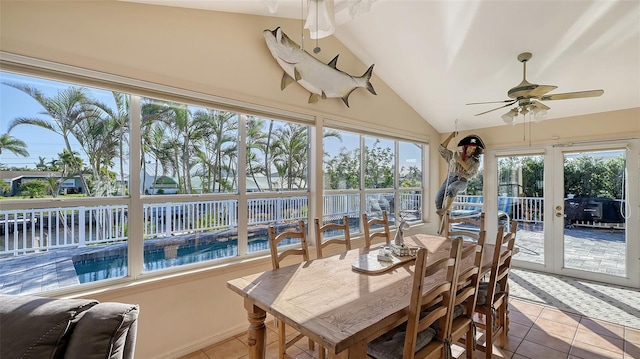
<point x="13" y="145"/>
<point x="378" y="166"/>
<point x="34" y="188"/>
<point x="117" y="122"/>
<point x="65" y="110"/>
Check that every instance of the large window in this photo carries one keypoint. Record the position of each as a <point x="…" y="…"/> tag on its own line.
<point x="365" y="174"/>
<point x="101" y="185"/>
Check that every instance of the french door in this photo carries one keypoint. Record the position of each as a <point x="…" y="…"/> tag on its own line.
<point x="577" y="207"/>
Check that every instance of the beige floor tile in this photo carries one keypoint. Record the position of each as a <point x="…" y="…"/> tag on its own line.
<point x="232" y="348"/>
<point x="631" y="350"/>
<point x="522" y="318"/>
<point x="535" y="350"/>
<point x="602" y="327"/>
<point x="591" y="339"/>
<point x="525" y="307"/>
<point x="588" y="351"/>
<point x="518" y="330"/>
<point x="554" y="342"/>
<point x="197" y="355"/>
<point x="559" y="316"/>
<point x="632" y="335"/>
<point x="554" y="328"/>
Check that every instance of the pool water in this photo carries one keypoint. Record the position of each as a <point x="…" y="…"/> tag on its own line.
<point x="111" y="263"/>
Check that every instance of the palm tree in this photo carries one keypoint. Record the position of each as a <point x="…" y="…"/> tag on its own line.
<point x="291" y="154"/>
<point x="118" y="122"/>
<point x="187" y="130"/>
<point x="41" y="165"/>
<point x="256" y="140"/>
<point x="13" y="145"/>
<point x="159" y="148"/>
<point x="65" y="109"/>
<point x="217" y="144"/>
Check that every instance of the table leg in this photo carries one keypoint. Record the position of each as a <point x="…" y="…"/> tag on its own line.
<point x="256" y="334"/>
<point x="357" y="351"/>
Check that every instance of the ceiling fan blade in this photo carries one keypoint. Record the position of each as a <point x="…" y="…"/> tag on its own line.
<point x="540" y="105"/>
<point x="541" y="90"/>
<point x="497" y="108"/>
<point x="481" y="103"/>
<point x="570" y="95"/>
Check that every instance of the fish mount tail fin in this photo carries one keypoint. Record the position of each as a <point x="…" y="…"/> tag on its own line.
<point x="367" y="76"/>
<point x="363" y="81"/>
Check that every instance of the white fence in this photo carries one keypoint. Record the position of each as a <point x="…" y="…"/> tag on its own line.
<point x="26" y="231"/>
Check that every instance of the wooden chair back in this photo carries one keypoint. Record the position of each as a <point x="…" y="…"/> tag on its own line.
<point x="453" y="226"/>
<point x="275" y="239"/>
<point x="439" y="302"/>
<point x="501" y="263"/>
<point x="321" y="229"/>
<point x="464" y="302"/>
<point x="494" y="309"/>
<point x="368" y="226"/>
<point x="286" y="341"/>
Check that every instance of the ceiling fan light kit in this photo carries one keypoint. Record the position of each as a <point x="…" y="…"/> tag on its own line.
<point x="527" y="96"/>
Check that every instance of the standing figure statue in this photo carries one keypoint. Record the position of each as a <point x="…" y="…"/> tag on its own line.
<point x="398" y="240"/>
<point x="462" y="165"/>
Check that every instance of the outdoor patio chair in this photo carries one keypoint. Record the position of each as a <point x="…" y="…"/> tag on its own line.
<point x="426" y="333"/>
<point x="320" y="231"/>
<point x="467" y="227"/>
<point x="276" y="258"/>
<point x="493" y="296"/>
<point x="368" y="226"/>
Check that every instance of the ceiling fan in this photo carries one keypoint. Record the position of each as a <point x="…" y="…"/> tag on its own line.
<point x="528" y="96"/>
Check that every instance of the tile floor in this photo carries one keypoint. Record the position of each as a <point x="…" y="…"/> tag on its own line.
<point x="536" y="332"/>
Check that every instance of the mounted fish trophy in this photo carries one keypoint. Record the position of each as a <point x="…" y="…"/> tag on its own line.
<point x="321" y="80"/>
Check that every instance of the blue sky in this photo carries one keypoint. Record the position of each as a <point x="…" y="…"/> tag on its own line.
<point x="40" y="142"/>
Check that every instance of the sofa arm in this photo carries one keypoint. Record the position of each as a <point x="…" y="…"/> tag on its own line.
<point x="105" y="331"/>
<point x="37" y="327"/>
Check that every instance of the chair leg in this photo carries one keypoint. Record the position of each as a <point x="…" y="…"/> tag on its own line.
<point x="469" y="340"/>
<point x="312" y="345"/>
<point x="321" y="353"/>
<point x="502" y="324"/>
<point x="488" y="333"/>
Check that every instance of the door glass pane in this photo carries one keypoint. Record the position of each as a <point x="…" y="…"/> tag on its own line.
<point x="520" y="198"/>
<point x="594" y="210"/>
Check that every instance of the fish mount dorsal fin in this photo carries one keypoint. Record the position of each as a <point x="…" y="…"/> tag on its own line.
<point x="334" y="63"/>
<point x="297" y="74"/>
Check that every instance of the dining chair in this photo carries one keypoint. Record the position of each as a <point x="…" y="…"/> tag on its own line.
<point x="467" y="227"/>
<point x="345" y="240"/>
<point x="368" y="226"/>
<point x="426" y="333"/>
<point x="463" y="328"/>
<point x="276" y="258"/>
<point x="493" y="296"/>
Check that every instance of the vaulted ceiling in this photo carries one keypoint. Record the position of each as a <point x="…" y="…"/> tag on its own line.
<point x="440" y="55"/>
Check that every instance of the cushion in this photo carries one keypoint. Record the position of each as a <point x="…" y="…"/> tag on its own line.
<point x="37" y="327"/>
<point x="106" y="331"/>
<point x="392" y="346"/>
<point x="483" y="289"/>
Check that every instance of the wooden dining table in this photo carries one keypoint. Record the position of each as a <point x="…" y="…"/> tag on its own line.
<point x="340" y="308"/>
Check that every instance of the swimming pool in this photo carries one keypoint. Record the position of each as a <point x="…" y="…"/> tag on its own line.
<point x="111" y="261"/>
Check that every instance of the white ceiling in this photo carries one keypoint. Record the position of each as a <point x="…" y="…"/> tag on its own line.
<point x="440" y="55"/>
